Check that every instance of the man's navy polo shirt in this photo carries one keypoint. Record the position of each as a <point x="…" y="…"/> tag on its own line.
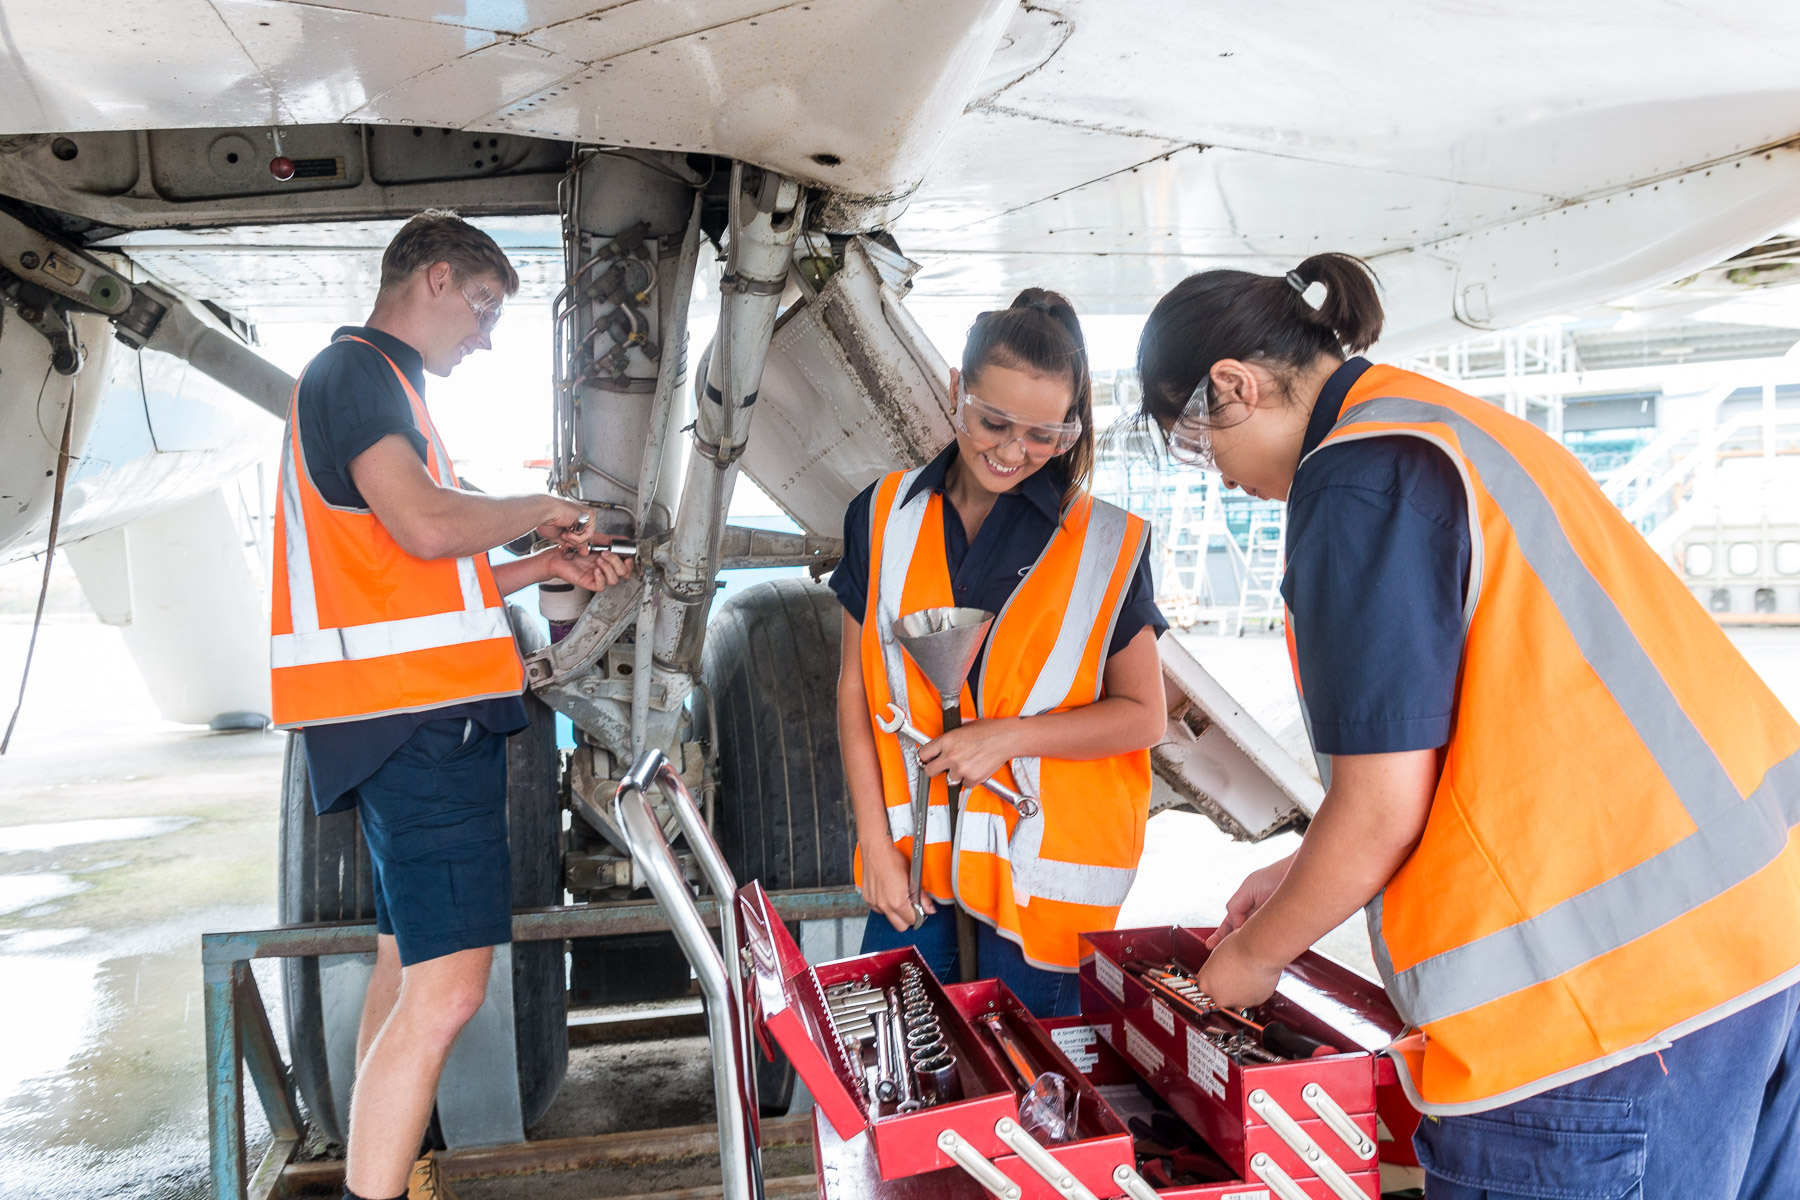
<point x="1377" y="564"/>
<point x="348" y="401"/>
<point x="984" y="574"/>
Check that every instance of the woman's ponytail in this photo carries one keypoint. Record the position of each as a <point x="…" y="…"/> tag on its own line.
<point x="1350" y="308"/>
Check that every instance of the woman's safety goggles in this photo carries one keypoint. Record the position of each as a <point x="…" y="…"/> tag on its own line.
<point x="992" y="429"/>
<point x="1189" y="438"/>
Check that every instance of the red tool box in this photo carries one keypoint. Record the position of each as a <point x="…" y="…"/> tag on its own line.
<point x="1211" y="1113"/>
<point x="973" y="1135"/>
<point x="1310" y="1119"/>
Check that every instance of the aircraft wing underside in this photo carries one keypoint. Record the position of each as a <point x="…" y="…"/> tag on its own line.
<point x="1497" y="164"/>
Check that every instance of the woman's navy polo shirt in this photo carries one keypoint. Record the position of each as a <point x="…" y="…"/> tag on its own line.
<point x="1377" y="564"/>
<point x="984" y="574"/>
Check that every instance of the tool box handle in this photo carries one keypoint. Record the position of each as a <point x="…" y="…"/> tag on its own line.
<point x="734" y="1079"/>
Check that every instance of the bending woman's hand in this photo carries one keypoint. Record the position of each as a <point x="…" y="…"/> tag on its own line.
<point x="974" y="752"/>
<point x="1256" y="889"/>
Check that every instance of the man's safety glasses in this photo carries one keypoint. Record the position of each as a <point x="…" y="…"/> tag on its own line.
<point x="484" y="304"/>
<point x="992" y="429"/>
<point x="1189" y="437"/>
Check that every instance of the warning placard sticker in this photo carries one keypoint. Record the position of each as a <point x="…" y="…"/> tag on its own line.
<point x="1110" y="977"/>
<point x="1139" y="1047"/>
<point x="1207" y="1065"/>
<point x="1077" y="1041"/>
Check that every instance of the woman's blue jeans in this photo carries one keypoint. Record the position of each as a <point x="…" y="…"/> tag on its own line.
<point x="1045" y="993"/>
<point x="1716" y="1116"/>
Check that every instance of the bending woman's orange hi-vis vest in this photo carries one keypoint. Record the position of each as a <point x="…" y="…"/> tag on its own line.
<point x="1609" y="860"/>
<point x="1042" y="880"/>
<point x="360" y="628"/>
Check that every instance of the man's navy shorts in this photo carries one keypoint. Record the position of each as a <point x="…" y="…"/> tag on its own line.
<point x="434" y="816"/>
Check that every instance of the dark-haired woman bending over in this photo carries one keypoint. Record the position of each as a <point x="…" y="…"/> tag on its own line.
<point x="1067" y="692"/>
<point x="1565" y="800"/>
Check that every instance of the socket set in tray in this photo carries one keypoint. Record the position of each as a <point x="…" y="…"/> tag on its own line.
<point x="965" y="1081"/>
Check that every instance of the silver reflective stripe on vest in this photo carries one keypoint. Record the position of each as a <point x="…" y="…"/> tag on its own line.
<point x="380" y="638"/>
<point x="1735" y="837"/>
<point x="309" y="644"/>
<point x="1099" y="555"/>
<point x="898" y="541"/>
<point x="1033" y="875"/>
<point x="303" y="599"/>
<point x="986" y="833"/>
<point x="937" y="822"/>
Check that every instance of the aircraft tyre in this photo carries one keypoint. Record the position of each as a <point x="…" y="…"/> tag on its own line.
<point x="771" y="664"/>
<point x="324" y="876"/>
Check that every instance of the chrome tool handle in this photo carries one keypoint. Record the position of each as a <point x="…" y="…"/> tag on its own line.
<point x="897" y="721"/>
<point x="1279" y="1181"/>
<point x="1289" y="1131"/>
<point x="734" y="1091"/>
<point x="978" y="1167"/>
<point x="1040" y="1160"/>
<point x="1340" y="1122"/>
<point x="1135" y="1185"/>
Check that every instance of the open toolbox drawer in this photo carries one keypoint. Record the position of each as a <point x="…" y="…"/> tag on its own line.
<point x="1242" y="1108"/>
<point x="1120" y="1082"/>
<point x="786" y="997"/>
<point x="1101" y="1144"/>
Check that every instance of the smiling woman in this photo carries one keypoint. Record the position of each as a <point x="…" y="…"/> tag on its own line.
<point x="1001" y="522"/>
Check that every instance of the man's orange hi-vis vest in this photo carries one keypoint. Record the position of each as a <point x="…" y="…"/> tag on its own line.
<point x="1609" y="861"/>
<point x="1042" y="880"/>
<point x="360" y="628"/>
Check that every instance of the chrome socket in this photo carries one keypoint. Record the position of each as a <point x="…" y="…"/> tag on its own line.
<point x="937" y="1080"/>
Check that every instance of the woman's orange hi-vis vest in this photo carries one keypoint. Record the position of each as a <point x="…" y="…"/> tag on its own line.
<point x="360" y="628"/>
<point x="1042" y="880"/>
<point x="1609" y="861"/>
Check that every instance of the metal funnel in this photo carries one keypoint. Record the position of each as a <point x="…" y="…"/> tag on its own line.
<point x="943" y="642"/>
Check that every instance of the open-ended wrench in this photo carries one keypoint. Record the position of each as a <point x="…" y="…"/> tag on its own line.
<point x="898" y="722"/>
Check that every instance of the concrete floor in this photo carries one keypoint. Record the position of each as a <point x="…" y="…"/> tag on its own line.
<point x="123" y="837"/>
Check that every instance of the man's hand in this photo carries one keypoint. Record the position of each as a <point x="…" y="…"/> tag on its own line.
<point x="973" y="752"/>
<point x="431" y="521"/>
<point x="1257" y="887"/>
<point x="588" y="568"/>
<point x="592" y="569"/>
<point x="887" y="884"/>
<point x="1235" y="979"/>
<point x="567" y="523"/>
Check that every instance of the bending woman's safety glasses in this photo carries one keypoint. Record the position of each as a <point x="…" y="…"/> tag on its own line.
<point x="992" y="429"/>
<point x="1189" y="437"/>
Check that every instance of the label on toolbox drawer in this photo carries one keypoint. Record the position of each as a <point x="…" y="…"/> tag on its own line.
<point x="1207" y="1065"/>
<point x="1163" y="1016"/>
<point x="1258" y="1194"/>
<point x="1076" y="1041"/>
<point x="1110" y="976"/>
<point x="1139" y="1047"/>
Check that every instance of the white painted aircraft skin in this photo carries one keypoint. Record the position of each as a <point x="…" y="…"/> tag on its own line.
<point x="1495" y="164"/>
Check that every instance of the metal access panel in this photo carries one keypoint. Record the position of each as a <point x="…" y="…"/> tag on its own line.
<point x="852" y="389"/>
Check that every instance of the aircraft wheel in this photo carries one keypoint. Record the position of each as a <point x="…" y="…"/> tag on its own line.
<point x="771" y="664"/>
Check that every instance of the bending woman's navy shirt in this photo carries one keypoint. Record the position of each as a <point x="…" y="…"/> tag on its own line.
<point x="985" y="573"/>
<point x="1377" y="567"/>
